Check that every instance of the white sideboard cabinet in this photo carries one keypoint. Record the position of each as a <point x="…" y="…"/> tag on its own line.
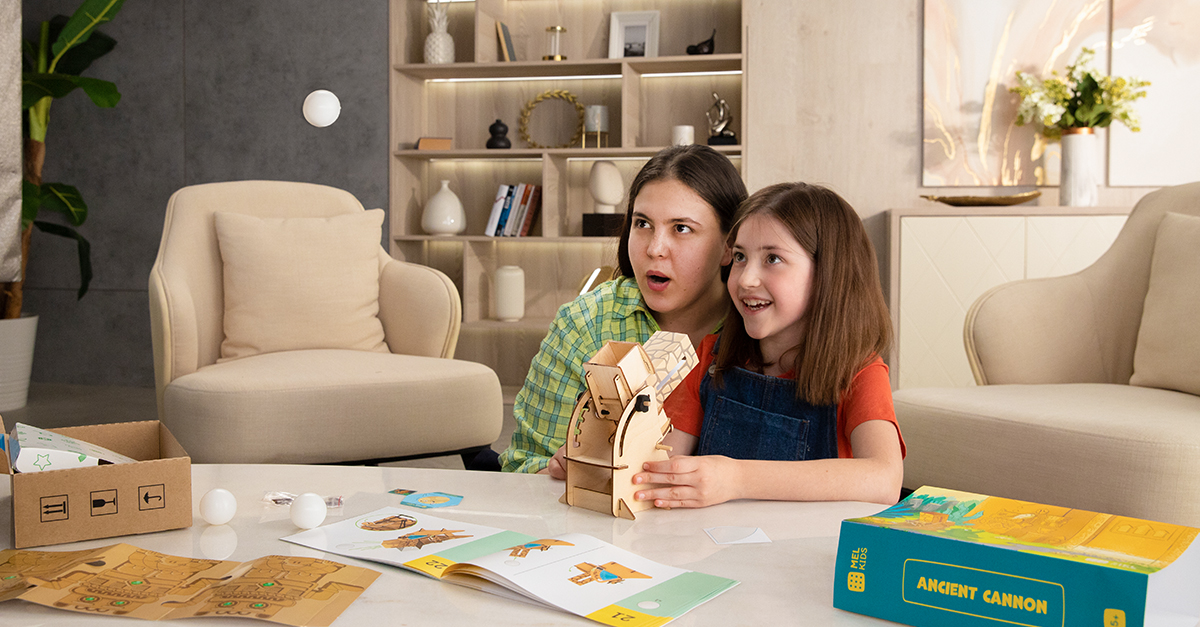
<point x="943" y="259"/>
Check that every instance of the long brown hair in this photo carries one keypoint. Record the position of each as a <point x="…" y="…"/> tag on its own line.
<point x="847" y="319"/>
<point x="705" y="171"/>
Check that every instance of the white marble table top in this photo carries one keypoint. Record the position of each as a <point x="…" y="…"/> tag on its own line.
<point x="786" y="581"/>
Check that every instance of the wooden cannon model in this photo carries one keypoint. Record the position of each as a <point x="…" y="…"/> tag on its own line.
<point x="618" y="423"/>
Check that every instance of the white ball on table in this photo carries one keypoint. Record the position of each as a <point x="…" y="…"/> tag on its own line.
<point x="308" y="510"/>
<point x="218" y="506"/>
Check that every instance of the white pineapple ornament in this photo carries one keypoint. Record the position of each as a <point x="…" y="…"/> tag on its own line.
<point x="439" y="46"/>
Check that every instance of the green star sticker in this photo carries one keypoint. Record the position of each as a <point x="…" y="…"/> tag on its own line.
<point x="43" y="460"/>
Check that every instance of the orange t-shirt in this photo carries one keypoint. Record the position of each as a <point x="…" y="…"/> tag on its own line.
<point x="869" y="398"/>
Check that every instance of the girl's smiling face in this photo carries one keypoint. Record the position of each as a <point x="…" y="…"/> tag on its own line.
<point x="676" y="248"/>
<point x="771" y="284"/>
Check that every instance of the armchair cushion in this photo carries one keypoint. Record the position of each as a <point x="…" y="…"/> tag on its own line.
<point x="300" y="283"/>
<point x="1168" y="343"/>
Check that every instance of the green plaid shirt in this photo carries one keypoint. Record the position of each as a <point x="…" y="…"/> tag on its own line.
<point x="613" y="311"/>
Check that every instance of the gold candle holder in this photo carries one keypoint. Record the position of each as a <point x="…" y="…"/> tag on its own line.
<point x="554" y="43"/>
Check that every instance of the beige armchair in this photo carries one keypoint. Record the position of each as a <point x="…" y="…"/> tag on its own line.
<point x="1054" y="418"/>
<point x="409" y="398"/>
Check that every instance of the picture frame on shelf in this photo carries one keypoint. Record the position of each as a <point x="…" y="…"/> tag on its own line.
<point x="507" y="51"/>
<point x="633" y="34"/>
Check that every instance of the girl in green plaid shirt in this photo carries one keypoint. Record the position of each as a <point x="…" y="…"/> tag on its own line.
<point x="672" y="264"/>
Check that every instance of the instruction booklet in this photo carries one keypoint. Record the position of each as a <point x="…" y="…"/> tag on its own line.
<point x="572" y="572"/>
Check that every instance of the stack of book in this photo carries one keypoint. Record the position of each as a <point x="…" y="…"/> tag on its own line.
<point x="514" y="211"/>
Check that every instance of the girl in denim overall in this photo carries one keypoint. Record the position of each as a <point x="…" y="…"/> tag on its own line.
<point x="792" y="401"/>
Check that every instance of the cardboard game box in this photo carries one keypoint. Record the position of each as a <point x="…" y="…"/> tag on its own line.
<point x="153" y="493"/>
<point x="942" y="557"/>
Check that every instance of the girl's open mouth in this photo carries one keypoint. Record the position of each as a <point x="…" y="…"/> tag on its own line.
<point x="753" y="305"/>
<point x="656" y="281"/>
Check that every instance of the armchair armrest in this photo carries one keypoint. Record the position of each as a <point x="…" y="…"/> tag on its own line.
<point x="1035" y="331"/>
<point x="420" y="309"/>
<point x="174" y="335"/>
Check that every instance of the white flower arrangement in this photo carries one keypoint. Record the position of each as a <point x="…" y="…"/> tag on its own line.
<point x="1083" y="99"/>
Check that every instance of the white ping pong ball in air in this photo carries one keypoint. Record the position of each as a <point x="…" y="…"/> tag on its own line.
<point x="322" y="108"/>
<point x="308" y="510"/>
<point x="218" y="506"/>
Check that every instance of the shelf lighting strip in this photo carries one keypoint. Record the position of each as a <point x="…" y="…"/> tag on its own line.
<point x="585" y="77"/>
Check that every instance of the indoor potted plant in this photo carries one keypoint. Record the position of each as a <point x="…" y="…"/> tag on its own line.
<point x="1069" y="109"/>
<point x="53" y="67"/>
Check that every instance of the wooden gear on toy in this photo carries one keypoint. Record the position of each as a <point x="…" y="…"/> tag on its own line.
<point x="618" y="423"/>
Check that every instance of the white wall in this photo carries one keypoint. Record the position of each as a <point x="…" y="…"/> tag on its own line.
<point x="834" y="97"/>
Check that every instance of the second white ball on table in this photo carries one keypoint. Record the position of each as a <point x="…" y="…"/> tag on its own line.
<point x="308" y="510"/>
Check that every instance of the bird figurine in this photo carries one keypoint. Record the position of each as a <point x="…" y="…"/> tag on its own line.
<point x="704" y="47"/>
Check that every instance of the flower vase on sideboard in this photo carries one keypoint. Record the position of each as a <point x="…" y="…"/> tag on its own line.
<point x="1079" y="182"/>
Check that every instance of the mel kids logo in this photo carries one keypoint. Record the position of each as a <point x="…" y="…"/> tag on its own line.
<point x="857" y="579"/>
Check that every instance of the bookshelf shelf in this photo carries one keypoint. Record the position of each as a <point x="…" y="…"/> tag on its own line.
<point x="645" y="97"/>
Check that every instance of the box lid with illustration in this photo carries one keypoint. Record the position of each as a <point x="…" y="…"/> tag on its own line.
<point x="152" y="493"/>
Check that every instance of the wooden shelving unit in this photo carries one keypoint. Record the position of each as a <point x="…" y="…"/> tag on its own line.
<point x="645" y="98"/>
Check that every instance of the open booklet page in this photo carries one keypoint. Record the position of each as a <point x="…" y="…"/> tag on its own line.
<point x="572" y="572"/>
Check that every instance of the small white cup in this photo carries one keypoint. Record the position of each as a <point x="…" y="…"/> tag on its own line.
<point x="683" y="135"/>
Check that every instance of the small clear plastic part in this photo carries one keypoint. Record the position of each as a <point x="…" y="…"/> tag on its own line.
<point x="554" y="43"/>
<point x="285" y="499"/>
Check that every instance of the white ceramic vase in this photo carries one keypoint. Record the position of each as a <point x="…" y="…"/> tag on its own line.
<point x="443" y="213"/>
<point x="605" y="186"/>
<point x="16" y="360"/>
<point x="510" y="293"/>
<point x="439" y="45"/>
<point x="1079" y="182"/>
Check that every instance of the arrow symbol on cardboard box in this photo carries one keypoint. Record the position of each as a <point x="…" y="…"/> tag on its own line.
<point x="147" y="496"/>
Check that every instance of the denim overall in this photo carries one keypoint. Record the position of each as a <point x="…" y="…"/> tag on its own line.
<point x="755" y="416"/>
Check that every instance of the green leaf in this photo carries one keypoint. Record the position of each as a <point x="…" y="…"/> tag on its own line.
<point x="83" y="23"/>
<point x="31" y="202"/>
<point x="82" y="245"/>
<point x="28" y="56"/>
<point x="80" y="57"/>
<point x="103" y="93"/>
<point x="35" y="86"/>
<point x="66" y="200"/>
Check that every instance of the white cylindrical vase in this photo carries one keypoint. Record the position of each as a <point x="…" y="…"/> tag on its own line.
<point x="16" y="360"/>
<point x="683" y="135"/>
<point x="1079" y="182"/>
<point x="510" y="293"/>
<point x="443" y="213"/>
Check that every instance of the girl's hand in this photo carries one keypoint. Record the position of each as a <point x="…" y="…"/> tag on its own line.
<point x="691" y="481"/>
<point x="557" y="467"/>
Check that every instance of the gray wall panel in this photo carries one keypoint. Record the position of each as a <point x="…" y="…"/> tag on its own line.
<point x="244" y="93"/>
<point x="211" y="91"/>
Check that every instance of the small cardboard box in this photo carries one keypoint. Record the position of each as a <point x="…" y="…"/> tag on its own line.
<point x="152" y="494"/>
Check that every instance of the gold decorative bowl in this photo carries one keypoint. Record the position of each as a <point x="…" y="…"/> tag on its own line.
<point x="985" y="201"/>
